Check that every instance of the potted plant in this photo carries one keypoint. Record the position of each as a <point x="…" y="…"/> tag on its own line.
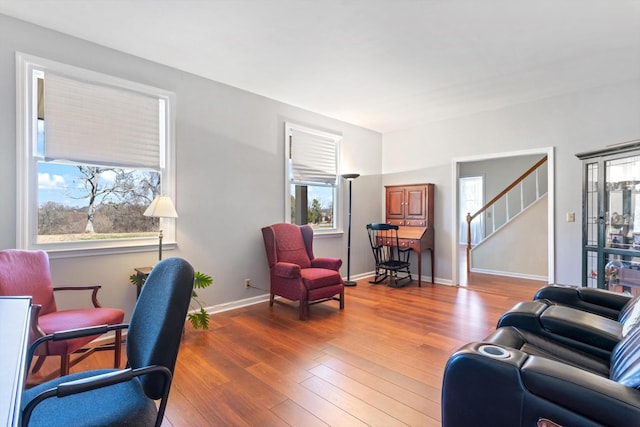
<point x="198" y="316"/>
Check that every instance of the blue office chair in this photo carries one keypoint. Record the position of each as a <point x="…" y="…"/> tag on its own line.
<point x="112" y="397"/>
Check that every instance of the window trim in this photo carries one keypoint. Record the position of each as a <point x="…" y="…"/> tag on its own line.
<point x="337" y="192"/>
<point x="26" y="162"/>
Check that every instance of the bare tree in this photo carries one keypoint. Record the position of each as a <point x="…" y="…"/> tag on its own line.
<point x="137" y="187"/>
<point x="90" y="182"/>
<point x="127" y="187"/>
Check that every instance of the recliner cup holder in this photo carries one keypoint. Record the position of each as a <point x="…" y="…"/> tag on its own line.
<point x="493" y="351"/>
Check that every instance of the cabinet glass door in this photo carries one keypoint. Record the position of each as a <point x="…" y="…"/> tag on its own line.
<point x="622" y="224"/>
<point x="591" y="201"/>
<point x="622" y="201"/>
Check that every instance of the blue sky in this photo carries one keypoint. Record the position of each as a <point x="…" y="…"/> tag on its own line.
<point x="60" y="183"/>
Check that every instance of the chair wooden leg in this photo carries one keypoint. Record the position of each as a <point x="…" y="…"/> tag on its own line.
<point x="303" y="306"/>
<point x="39" y="363"/>
<point x="342" y="300"/>
<point x="64" y="364"/>
<point x="271" y="299"/>
<point x="117" y="350"/>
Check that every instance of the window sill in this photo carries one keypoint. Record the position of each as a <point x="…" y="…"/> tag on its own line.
<point x="327" y="234"/>
<point x="76" y="252"/>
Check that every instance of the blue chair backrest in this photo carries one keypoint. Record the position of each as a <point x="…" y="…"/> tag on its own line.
<point x="157" y="322"/>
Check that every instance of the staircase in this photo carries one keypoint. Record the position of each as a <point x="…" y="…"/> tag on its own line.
<point x="527" y="191"/>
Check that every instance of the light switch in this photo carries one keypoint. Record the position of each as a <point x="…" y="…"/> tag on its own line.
<point x="571" y="216"/>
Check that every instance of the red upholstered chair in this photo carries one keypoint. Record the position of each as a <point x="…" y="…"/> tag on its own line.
<point x="295" y="273"/>
<point x="27" y="273"/>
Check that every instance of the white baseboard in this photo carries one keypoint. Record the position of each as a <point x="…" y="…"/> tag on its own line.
<point x="510" y="274"/>
<point x="237" y="304"/>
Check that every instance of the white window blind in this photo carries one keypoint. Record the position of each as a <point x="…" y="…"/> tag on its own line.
<point x="313" y="158"/>
<point x="101" y="125"/>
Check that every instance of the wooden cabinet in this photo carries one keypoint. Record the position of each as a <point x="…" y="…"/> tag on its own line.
<point x="410" y="205"/>
<point x="411" y="208"/>
<point x="611" y="218"/>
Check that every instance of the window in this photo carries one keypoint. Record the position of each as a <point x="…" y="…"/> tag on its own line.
<point x="93" y="152"/>
<point x="471" y="200"/>
<point x="312" y="177"/>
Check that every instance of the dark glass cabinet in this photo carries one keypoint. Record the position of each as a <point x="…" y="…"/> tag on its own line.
<point x="611" y="218"/>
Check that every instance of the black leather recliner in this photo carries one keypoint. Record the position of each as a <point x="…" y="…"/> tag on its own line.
<point x="495" y="383"/>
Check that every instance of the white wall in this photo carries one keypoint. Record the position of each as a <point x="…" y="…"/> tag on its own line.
<point x="571" y="123"/>
<point x="230" y="172"/>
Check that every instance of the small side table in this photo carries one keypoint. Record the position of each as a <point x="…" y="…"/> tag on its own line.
<point x="142" y="273"/>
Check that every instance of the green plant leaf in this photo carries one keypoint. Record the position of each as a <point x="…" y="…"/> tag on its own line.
<point x="202" y="280"/>
<point x="199" y="319"/>
<point x="135" y="280"/>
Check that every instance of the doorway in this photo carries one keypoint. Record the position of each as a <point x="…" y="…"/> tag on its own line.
<point x="459" y="256"/>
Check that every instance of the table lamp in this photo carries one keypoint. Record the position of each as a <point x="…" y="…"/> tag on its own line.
<point x="161" y="207"/>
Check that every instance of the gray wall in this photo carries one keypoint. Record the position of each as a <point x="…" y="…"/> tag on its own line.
<point x="498" y="173"/>
<point x="571" y="123"/>
<point x="230" y="172"/>
<point x="230" y="165"/>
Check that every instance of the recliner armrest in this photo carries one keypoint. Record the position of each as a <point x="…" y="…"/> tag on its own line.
<point x="286" y="270"/>
<point x="582" y="326"/>
<point x="326" y="262"/>
<point x="598" y="301"/>
<point x="581" y="330"/>
<point x="584" y="393"/>
<point x="605" y="298"/>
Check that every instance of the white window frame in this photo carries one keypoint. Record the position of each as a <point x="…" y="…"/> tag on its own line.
<point x="337" y="188"/>
<point x="27" y="170"/>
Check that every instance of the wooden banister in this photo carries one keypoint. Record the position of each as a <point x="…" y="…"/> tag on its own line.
<point x="494" y="200"/>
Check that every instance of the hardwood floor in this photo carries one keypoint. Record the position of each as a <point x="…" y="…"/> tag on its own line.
<point x="377" y="363"/>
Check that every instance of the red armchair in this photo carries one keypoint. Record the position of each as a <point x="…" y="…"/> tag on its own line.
<point x="295" y="273"/>
<point x="27" y="273"/>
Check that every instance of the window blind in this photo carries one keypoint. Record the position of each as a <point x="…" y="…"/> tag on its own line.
<point x="313" y="158"/>
<point x="94" y="124"/>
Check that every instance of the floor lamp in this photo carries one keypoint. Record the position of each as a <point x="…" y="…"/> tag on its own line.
<point x="349" y="177"/>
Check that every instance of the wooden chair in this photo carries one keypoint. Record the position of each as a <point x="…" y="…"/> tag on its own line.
<point x="392" y="260"/>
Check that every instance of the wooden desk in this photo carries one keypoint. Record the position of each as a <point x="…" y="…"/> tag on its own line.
<point x="15" y="313"/>
<point x="419" y="239"/>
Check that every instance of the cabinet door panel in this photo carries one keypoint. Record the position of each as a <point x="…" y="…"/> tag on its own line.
<point x="395" y="203"/>
<point x="415" y="203"/>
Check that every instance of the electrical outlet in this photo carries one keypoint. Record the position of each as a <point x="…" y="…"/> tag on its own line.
<point x="247" y="283"/>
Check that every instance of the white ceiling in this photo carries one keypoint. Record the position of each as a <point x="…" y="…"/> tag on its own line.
<point x="382" y="64"/>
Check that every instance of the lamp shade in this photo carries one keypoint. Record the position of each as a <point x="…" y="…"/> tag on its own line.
<point x="161" y="207"/>
<point x="350" y="176"/>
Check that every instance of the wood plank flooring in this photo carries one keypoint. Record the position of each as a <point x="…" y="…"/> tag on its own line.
<point x="377" y="363"/>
